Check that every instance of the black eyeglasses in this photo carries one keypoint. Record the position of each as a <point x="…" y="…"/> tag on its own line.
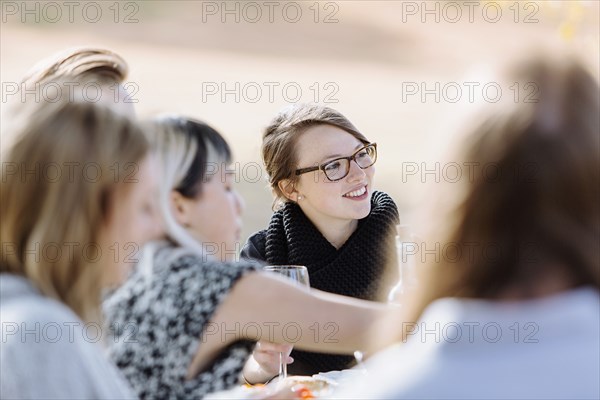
<point x="340" y="167"/>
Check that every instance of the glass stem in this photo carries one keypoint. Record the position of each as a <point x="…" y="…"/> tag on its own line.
<point x="282" y="367"/>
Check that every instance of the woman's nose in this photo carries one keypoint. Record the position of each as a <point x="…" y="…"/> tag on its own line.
<point x="240" y="205"/>
<point x="355" y="173"/>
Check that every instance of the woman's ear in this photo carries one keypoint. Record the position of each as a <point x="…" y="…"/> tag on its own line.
<point x="179" y="208"/>
<point x="288" y="189"/>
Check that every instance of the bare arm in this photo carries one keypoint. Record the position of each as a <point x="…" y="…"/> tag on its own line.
<point x="265" y="307"/>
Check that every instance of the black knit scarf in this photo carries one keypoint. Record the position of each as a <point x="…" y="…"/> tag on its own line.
<point x="364" y="267"/>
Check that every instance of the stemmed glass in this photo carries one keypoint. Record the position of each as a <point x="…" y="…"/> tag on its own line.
<point x="299" y="275"/>
<point x="406" y="243"/>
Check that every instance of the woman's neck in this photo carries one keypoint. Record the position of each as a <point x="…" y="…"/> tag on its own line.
<point x="336" y="232"/>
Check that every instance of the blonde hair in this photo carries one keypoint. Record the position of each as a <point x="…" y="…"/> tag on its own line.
<point x="70" y="73"/>
<point x="49" y="202"/>
<point x="84" y="63"/>
<point x="175" y="154"/>
<point x="185" y="148"/>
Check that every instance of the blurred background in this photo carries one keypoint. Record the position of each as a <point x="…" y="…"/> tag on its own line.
<point x="406" y="73"/>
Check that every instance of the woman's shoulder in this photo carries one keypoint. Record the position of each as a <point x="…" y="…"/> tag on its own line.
<point x="46" y="338"/>
<point x="384" y="207"/>
<point x="188" y="287"/>
<point x="200" y="264"/>
<point x="383" y="198"/>
<point x="255" y="247"/>
<point x="22" y="303"/>
<point x="181" y="276"/>
<point x="182" y="269"/>
<point x="167" y="260"/>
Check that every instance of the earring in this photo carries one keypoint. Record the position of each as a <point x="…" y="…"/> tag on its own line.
<point x="299" y="197"/>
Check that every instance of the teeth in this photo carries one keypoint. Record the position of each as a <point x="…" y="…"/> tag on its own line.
<point x="356" y="193"/>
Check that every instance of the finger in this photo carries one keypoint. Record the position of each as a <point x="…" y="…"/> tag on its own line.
<point x="267" y="358"/>
<point x="280" y="348"/>
<point x="287" y="350"/>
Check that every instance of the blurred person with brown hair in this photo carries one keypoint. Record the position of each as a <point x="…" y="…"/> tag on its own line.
<point x="74" y="191"/>
<point x="520" y="320"/>
<point x="329" y="218"/>
<point x="103" y="69"/>
<point x="197" y="315"/>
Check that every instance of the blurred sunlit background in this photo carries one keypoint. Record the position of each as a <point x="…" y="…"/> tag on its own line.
<point x="404" y="72"/>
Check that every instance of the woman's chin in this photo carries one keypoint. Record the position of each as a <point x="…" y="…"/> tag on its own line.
<point x="364" y="211"/>
<point x="364" y="214"/>
<point x="360" y="213"/>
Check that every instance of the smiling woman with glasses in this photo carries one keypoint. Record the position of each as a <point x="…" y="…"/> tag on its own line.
<point x="328" y="216"/>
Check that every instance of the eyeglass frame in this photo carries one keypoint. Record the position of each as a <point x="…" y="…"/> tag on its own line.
<point x="321" y="167"/>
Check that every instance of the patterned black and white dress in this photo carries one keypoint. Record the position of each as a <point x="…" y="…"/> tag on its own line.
<point x="156" y="321"/>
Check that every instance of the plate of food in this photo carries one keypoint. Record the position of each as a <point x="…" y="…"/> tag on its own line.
<point x="296" y="386"/>
<point x="318" y="386"/>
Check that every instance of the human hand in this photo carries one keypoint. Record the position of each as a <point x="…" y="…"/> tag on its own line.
<point x="266" y="355"/>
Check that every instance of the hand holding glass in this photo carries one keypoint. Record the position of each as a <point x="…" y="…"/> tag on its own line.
<point x="299" y="275"/>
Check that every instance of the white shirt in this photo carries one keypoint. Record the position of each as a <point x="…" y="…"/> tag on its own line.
<point x="47" y="352"/>
<point x="546" y="348"/>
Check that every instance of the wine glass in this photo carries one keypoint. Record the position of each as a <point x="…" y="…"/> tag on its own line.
<point x="299" y="275"/>
<point x="406" y="244"/>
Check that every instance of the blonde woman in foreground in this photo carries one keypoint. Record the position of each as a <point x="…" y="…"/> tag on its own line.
<point x="75" y="184"/>
<point x="521" y="321"/>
